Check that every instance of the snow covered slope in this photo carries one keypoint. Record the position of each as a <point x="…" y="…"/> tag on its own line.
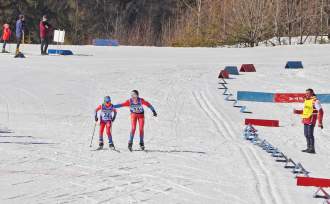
<point x="196" y="151"/>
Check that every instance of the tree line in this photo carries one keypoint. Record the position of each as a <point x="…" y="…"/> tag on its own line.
<point x="174" y="22"/>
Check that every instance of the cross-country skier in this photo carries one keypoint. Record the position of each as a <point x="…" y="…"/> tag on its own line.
<point x="310" y="114"/>
<point x="107" y="117"/>
<point x="135" y="104"/>
<point x="5" y="36"/>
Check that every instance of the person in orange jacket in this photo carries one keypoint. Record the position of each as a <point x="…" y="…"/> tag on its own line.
<point x="5" y="36"/>
<point x="311" y="113"/>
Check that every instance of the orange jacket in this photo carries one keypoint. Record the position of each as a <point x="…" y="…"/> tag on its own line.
<point x="6" y="33"/>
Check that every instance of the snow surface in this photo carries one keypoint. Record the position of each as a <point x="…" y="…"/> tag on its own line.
<point x="196" y="151"/>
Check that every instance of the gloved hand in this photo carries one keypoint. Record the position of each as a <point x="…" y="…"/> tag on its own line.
<point x="113" y="119"/>
<point x="96" y="118"/>
<point x="154" y="113"/>
<point x="321" y="125"/>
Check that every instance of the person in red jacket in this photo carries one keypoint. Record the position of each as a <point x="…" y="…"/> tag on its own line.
<point x="311" y="113"/>
<point x="107" y="117"/>
<point x="135" y="104"/>
<point x="5" y="36"/>
<point x="45" y="29"/>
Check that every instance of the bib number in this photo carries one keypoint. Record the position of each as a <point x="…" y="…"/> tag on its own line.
<point x="106" y="116"/>
<point x="136" y="109"/>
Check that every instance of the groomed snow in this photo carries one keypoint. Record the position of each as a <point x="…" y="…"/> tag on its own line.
<point x="196" y="151"/>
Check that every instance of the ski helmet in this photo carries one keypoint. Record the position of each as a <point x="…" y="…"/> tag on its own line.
<point x="107" y="99"/>
<point x="135" y="93"/>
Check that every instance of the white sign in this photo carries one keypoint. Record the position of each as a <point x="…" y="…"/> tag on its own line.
<point x="59" y="36"/>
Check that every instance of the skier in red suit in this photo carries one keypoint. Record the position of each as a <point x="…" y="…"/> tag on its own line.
<point x="107" y="117"/>
<point x="135" y="104"/>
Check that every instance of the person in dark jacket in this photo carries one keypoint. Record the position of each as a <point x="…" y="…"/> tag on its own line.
<point x="19" y="31"/>
<point x="45" y="29"/>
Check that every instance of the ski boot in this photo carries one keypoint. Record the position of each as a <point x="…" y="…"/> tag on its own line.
<point x="311" y="150"/>
<point x="100" y="146"/>
<point x="130" y="146"/>
<point x="142" y="146"/>
<point x="3" y="50"/>
<point x="112" y="146"/>
<point x="305" y="150"/>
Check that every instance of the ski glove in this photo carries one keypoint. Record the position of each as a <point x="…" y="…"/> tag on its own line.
<point x="114" y="117"/>
<point x="96" y="118"/>
<point x="154" y="113"/>
<point x="321" y="126"/>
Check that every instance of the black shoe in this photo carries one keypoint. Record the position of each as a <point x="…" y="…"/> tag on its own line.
<point x="19" y="55"/>
<point x="100" y="146"/>
<point x="130" y="146"/>
<point x="305" y="150"/>
<point x="112" y="146"/>
<point x="311" y="151"/>
<point x="142" y="146"/>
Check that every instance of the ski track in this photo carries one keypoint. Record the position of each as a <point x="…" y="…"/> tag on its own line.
<point x="226" y="129"/>
<point x="218" y="123"/>
<point x="275" y="195"/>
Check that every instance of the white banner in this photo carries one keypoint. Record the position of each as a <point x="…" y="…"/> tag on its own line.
<point x="59" y="36"/>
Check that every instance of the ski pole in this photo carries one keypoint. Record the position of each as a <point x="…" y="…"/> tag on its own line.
<point x="93" y="135"/>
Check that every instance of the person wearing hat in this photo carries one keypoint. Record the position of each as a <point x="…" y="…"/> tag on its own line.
<point x="45" y="28"/>
<point x="135" y="104"/>
<point x="311" y="113"/>
<point x="107" y="117"/>
<point x="20" y="24"/>
<point x="5" y="36"/>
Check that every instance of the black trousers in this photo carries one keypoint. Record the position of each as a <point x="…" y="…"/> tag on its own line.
<point x="44" y="45"/>
<point x="4" y="44"/>
<point x="309" y="134"/>
<point x="18" y="42"/>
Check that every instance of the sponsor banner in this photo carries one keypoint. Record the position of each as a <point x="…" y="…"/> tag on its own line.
<point x="289" y="97"/>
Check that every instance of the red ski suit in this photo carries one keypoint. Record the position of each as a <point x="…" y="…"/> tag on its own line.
<point x="137" y="114"/>
<point x="106" y="119"/>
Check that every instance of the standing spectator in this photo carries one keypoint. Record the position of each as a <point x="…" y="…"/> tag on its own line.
<point x="5" y="36"/>
<point x="19" y="32"/>
<point x="310" y="114"/>
<point x="45" y="29"/>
